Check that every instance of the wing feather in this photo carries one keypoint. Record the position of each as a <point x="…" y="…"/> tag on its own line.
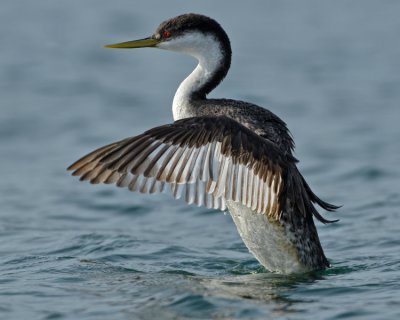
<point x="206" y="160"/>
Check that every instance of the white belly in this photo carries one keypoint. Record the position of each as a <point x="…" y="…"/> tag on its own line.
<point x="266" y="240"/>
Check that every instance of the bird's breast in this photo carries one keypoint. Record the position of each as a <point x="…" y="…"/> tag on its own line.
<point x="266" y="239"/>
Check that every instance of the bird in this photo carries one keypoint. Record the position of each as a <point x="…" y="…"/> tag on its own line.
<point x="219" y="153"/>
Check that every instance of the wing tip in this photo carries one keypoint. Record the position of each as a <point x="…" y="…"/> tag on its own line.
<point x="73" y="166"/>
<point x="320" y="218"/>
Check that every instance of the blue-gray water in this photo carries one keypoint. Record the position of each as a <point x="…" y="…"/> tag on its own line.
<point x="70" y="250"/>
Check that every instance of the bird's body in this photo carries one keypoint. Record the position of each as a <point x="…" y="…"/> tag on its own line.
<point x="219" y="153"/>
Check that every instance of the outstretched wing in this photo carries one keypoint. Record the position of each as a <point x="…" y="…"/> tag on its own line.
<point x="206" y="160"/>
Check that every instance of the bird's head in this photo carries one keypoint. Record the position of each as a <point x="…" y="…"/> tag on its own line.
<point x="190" y="33"/>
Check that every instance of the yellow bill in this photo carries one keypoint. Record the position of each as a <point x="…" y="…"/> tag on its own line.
<point x="141" y="43"/>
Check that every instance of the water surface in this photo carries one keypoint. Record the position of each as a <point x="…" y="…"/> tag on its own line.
<point x="69" y="250"/>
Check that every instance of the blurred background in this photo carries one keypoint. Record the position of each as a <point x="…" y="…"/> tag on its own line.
<point x="69" y="250"/>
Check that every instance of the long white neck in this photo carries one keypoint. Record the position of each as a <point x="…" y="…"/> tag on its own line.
<point x="207" y="50"/>
<point x="196" y="80"/>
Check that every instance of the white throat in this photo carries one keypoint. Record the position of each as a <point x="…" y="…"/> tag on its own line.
<point x="207" y="50"/>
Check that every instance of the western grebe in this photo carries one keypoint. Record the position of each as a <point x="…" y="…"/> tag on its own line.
<point x="219" y="153"/>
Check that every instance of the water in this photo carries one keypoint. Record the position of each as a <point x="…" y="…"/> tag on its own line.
<point x="69" y="250"/>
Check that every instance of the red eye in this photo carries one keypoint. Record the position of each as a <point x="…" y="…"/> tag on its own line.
<point x="166" y="34"/>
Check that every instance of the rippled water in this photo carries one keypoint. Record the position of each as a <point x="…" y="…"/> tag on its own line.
<point x="69" y="250"/>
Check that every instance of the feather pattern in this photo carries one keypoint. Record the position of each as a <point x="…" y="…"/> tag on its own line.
<point x="206" y="161"/>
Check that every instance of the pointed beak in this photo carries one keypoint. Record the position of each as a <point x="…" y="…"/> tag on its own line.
<point x="141" y="43"/>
